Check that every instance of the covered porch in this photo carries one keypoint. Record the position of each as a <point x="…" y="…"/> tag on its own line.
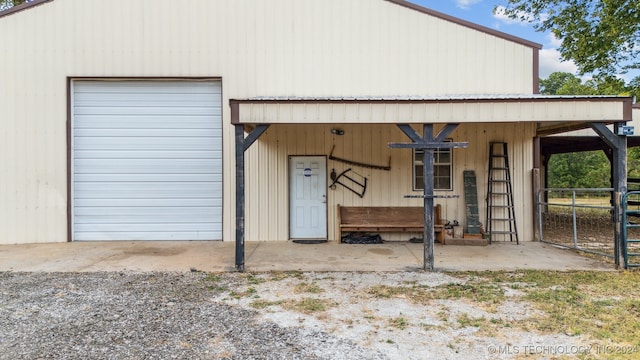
<point x="484" y="119"/>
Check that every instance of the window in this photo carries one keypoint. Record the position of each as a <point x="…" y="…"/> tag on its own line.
<point x="442" y="169"/>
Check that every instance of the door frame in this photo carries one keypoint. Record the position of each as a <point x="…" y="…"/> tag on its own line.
<point x="326" y="207"/>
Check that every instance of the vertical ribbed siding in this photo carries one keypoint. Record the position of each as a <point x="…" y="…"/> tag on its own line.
<point x="259" y="48"/>
<point x="368" y="144"/>
<point x="147" y="160"/>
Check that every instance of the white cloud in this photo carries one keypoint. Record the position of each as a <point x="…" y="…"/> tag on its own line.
<point x="500" y="14"/>
<point x="550" y="62"/>
<point x="466" y="4"/>
<point x="553" y="40"/>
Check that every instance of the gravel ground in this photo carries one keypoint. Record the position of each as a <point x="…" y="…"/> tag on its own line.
<point x="242" y="316"/>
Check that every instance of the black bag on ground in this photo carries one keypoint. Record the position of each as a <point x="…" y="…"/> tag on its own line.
<point x="356" y="238"/>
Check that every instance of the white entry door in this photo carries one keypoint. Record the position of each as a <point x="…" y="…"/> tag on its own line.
<point x="308" y="197"/>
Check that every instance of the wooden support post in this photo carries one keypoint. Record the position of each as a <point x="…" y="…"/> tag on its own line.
<point x="535" y="179"/>
<point x="242" y="144"/>
<point x="239" y="137"/>
<point x="428" y="143"/>
<point x="429" y="233"/>
<point x="618" y="145"/>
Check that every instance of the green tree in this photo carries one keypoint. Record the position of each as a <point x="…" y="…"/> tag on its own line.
<point x="562" y="83"/>
<point x="600" y="36"/>
<point x="588" y="169"/>
<point x="6" y="4"/>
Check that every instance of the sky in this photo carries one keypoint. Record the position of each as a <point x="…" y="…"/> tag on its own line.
<point x="481" y="12"/>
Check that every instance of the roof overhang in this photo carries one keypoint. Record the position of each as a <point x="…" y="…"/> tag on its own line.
<point x="552" y="113"/>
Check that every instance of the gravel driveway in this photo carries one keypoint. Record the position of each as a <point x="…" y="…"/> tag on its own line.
<point x="240" y="316"/>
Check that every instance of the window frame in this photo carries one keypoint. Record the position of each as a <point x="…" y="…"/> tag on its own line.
<point x="436" y="162"/>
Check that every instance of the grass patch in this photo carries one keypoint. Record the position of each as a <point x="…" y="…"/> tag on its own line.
<point x="399" y="323"/>
<point x="309" y="305"/>
<point x="464" y="320"/>
<point x="262" y="304"/>
<point x="601" y="305"/>
<point x="478" y="291"/>
<point x="254" y="280"/>
<point x="212" y="280"/>
<point x="281" y="275"/>
<point x="304" y="287"/>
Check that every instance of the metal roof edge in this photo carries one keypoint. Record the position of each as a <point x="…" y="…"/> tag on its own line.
<point x="466" y="23"/>
<point x="439" y="98"/>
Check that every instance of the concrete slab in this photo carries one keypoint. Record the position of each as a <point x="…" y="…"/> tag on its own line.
<point x="214" y="256"/>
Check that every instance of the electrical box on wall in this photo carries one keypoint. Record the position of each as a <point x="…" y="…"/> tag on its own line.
<point x="625" y="130"/>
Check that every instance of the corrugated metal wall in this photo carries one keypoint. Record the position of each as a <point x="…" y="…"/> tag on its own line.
<point x="268" y="188"/>
<point x="257" y="47"/>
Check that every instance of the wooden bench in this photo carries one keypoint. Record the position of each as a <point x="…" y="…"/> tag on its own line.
<point x="377" y="219"/>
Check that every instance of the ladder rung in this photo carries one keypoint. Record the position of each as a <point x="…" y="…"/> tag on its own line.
<point x="502" y="232"/>
<point x="498" y="181"/>
<point x="502" y="219"/>
<point x="502" y="206"/>
<point x="500" y="193"/>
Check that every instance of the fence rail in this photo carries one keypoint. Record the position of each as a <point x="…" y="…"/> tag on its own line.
<point x="580" y="219"/>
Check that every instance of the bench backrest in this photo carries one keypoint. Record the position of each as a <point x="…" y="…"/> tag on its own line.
<point x="386" y="215"/>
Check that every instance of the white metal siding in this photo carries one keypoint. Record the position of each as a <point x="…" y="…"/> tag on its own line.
<point x="147" y="160"/>
<point x="267" y="184"/>
<point x="269" y="48"/>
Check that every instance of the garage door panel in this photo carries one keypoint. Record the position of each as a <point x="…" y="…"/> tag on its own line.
<point x="116" y="221"/>
<point x="147" y="160"/>
<point x="146" y="210"/>
<point x="144" y="121"/>
<point x="156" y="202"/>
<point x="150" y="87"/>
<point x="181" y="177"/>
<point x="166" y="133"/>
<point x="140" y="227"/>
<point x="148" y="154"/>
<point x="139" y="110"/>
<point x="147" y="235"/>
<point x="85" y="99"/>
<point x="143" y="143"/>
<point x="149" y="166"/>
<point x="136" y="190"/>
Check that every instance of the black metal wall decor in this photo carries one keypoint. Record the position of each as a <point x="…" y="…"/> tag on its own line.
<point x="358" y="187"/>
<point x="356" y="163"/>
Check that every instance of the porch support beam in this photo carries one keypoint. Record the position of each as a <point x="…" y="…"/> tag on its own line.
<point x="428" y="143"/>
<point x="254" y="135"/>
<point x="410" y="132"/>
<point x="445" y="132"/>
<point x="618" y="145"/>
<point x="241" y="145"/>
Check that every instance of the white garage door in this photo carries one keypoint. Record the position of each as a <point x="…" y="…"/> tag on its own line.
<point x="147" y="160"/>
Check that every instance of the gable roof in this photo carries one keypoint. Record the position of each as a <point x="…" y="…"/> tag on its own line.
<point x="403" y="3"/>
<point x="466" y="23"/>
<point x="26" y="5"/>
